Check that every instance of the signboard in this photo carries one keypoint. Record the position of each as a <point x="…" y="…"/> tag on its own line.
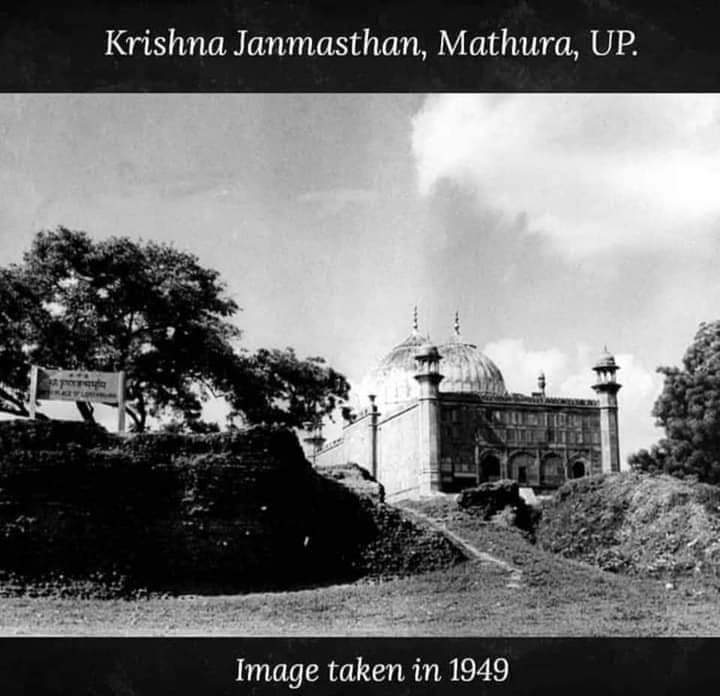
<point x="78" y="385"/>
<point x="66" y="385"/>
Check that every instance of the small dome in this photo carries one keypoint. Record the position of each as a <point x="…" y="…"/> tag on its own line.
<point x="606" y="360"/>
<point x="428" y="351"/>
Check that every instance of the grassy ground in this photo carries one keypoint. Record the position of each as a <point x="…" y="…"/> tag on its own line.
<point x="553" y="597"/>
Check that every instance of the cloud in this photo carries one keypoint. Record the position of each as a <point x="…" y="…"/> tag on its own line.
<point x="521" y="367"/>
<point x="570" y="376"/>
<point x="590" y="173"/>
<point x="333" y="201"/>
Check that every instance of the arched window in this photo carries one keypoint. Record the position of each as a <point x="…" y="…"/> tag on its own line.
<point x="551" y="471"/>
<point x="578" y="469"/>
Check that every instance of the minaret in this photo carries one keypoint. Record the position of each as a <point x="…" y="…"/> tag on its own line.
<point x="607" y="388"/>
<point x="373" y="427"/>
<point x="428" y="377"/>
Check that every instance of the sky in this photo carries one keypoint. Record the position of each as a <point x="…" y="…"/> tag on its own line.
<point x="555" y="224"/>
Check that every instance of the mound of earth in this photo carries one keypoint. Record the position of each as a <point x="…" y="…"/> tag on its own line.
<point x="355" y="478"/>
<point x="395" y="545"/>
<point x="500" y="502"/>
<point x="636" y="523"/>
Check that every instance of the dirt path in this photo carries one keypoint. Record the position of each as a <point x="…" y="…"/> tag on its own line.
<point x="515" y="574"/>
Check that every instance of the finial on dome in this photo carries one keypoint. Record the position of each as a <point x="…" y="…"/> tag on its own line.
<point x="457" y="324"/>
<point x="415" y="320"/>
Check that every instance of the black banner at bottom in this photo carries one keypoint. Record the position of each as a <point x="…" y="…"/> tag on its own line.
<point x="347" y="666"/>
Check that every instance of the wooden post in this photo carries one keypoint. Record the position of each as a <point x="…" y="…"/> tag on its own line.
<point x="33" y="390"/>
<point x="121" y="401"/>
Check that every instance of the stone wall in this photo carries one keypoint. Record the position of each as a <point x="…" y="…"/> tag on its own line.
<point x="353" y="447"/>
<point x="398" y="467"/>
<point x="356" y="441"/>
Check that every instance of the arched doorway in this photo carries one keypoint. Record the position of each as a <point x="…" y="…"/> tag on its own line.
<point x="523" y="468"/>
<point x="551" y="471"/>
<point x="578" y="469"/>
<point x="489" y="468"/>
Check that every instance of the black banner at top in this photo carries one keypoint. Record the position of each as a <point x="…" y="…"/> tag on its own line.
<point x="303" y="46"/>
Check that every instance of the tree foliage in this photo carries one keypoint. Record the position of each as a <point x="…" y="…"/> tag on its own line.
<point x="18" y="311"/>
<point x="155" y="312"/>
<point x="689" y="411"/>
<point x="280" y="388"/>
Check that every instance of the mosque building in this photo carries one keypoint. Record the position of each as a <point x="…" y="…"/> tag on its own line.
<point x="440" y="419"/>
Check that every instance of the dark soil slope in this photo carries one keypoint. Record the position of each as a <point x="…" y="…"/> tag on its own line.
<point x="398" y="545"/>
<point x="637" y="524"/>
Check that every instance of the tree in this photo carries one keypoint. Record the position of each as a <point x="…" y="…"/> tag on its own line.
<point x="155" y="312"/>
<point x="18" y="309"/>
<point x="286" y="390"/>
<point x="689" y="411"/>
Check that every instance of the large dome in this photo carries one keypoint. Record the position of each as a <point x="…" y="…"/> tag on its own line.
<point x="393" y="380"/>
<point x="464" y="368"/>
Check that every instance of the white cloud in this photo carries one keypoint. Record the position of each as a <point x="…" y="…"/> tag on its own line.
<point x="521" y="367"/>
<point x="571" y="376"/>
<point x="589" y="172"/>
